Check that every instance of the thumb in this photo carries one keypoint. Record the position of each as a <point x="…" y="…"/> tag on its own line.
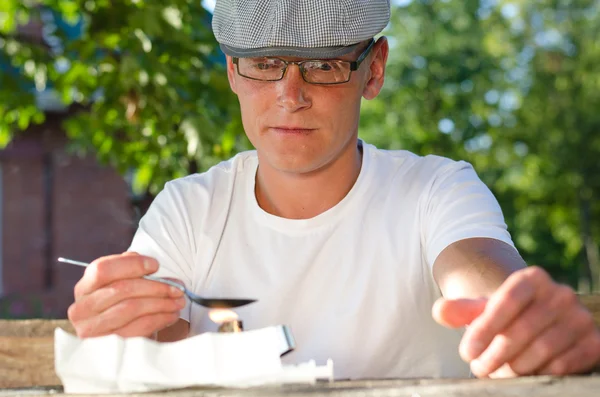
<point x="455" y="313"/>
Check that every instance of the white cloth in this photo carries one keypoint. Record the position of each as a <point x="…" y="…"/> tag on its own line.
<point x="354" y="283"/>
<point x="112" y="364"/>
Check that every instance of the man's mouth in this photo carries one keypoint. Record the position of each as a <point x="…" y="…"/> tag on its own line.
<point x="295" y="130"/>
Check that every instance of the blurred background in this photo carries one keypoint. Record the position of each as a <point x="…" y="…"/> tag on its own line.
<point x="102" y="102"/>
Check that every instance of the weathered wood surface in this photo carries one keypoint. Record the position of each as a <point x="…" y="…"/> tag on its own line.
<point x="27" y="352"/>
<point x="35" y="328"/>
<point x="592" y="302"/>
<point x="27" y="362"/>
<point x="587" y="386"/>
<point x="27" y="359"/>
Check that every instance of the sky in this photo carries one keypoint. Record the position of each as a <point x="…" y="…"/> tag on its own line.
<point x="209" y="4"/>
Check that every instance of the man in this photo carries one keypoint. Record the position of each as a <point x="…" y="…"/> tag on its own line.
<point x="353" y="247"/>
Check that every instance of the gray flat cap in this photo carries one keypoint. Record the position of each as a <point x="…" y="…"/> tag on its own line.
<point x="300" y="28"/>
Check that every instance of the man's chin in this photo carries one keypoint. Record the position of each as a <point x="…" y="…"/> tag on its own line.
<point x="294" y="165"/>
<point x="302" y="169"/>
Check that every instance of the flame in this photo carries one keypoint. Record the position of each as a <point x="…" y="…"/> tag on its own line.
<point x="221" y="316"/>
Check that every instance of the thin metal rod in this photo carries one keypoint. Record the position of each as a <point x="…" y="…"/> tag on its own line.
<point x="160" y="280"/>
<point x="72" y="262"/>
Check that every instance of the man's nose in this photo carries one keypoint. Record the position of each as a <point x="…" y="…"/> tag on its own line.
<point x="291" y="90"/>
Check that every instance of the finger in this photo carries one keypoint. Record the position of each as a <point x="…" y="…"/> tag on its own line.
<point x="555" y="341"/>
<point x="454" y="313"/>
<point x="101" y="299"/>
<point x="108" y="269"/>
<point x="538" y="317"/>
<point x="580" y="358"/>
<point x="124" y="313"/>
<point x="505" y="371"/>
<point x="544" y="347"/>
<point x="509" y="301"/>
<point x="147" y="325"/>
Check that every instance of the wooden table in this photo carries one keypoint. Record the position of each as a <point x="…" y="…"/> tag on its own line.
<point x="27" y="368"/>
<point x="585" y="386"/>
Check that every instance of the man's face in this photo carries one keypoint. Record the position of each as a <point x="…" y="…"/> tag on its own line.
<point x="299" y="127"/>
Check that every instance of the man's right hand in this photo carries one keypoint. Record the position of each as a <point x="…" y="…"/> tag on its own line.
<point x="113" y="298"/>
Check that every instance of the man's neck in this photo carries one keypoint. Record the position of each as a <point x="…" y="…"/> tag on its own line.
<point x="304" y="196"/>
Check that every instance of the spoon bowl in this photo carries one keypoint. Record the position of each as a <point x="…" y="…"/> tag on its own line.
<point x="212" y="303"/>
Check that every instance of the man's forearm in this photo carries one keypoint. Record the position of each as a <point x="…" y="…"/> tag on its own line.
<point x="475" y="267"/>
<point x="178" y="331"/>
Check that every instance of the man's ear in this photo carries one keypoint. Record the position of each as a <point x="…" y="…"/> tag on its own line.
<point x="231" y="73"/>
<point x="376" y="73"/>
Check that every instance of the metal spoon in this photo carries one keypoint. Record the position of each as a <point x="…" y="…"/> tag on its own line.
<point x="213" y="303"/>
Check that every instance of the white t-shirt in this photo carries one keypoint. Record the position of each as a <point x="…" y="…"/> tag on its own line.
<point x="354" y="283"/>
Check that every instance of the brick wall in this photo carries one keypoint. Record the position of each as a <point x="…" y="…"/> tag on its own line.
<point x="23" y="239"/>
<point x="55" y="204"/>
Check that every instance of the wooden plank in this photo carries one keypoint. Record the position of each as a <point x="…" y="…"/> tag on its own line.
<point x="27" y="352"/>
<point x="541" y="386"/>
<point x="34" y="328"/>
<point x="27" y="362"/>
<point x="592" y="302"/>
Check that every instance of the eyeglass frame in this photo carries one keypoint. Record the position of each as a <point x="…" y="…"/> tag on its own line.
<point x="354" y="65"/>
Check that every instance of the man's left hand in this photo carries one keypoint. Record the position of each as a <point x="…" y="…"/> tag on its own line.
<point x="529" y="326"/>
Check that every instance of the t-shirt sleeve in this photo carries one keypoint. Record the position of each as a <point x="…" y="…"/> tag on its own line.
<point x="459" y="206"/>
<point x="164" y="233"/>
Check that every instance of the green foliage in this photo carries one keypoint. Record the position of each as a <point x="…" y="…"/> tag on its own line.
<point x="147" y="75"/>
<point x="510" y="87"/>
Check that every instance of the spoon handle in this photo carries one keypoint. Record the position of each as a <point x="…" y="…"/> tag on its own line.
<point x="160" y="280"/>
<point x="72" y="262"/>
<point x="168" y="282"/>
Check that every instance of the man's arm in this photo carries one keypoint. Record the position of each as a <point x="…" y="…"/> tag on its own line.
<point x="175" y="332"/>
<point x="475" y="267"/>
<point x="520" y="322"/>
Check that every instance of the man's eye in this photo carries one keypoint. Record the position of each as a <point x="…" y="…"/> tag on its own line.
<point x="266" y="65"/>
<point x="321" y="66"/>
<point x="325" y="67"/>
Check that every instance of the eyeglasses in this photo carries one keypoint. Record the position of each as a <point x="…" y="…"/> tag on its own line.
<point x="314" y="71"/>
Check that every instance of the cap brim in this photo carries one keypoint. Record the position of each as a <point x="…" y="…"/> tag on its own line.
<point x="298" y="52"/>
